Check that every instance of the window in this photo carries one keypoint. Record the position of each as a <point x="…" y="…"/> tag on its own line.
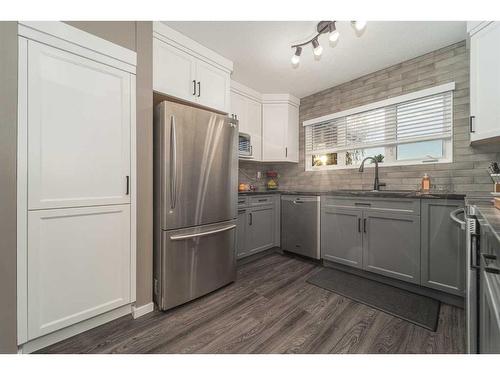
<point x="410" y="129"/>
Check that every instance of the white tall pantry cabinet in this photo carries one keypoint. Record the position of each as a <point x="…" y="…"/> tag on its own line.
<point x="76" y="181"/>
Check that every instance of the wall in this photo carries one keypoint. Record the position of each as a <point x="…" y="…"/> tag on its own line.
<point x="8" y="152"/>
<point x="137" y="36"/>
<point x="122" y="33"/>
<point x="144" y="163"/>
<point x="467" y="173"/>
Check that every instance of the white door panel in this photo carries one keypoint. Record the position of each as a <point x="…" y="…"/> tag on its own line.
<point x="173" y="71"/>
<point x="254" y="126"/>
<point x="275" y="123"/>
<point x="292" y="146"/>
<point x="79" y="116"/>
<point x="213" y="86"/>
<point x="78" y="265"/>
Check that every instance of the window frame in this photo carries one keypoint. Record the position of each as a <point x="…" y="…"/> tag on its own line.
<point x="390" y="149"/>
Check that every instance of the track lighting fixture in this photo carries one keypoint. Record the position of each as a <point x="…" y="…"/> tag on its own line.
<point x="324" y="27"/>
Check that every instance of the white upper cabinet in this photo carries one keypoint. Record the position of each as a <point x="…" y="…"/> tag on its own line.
<point x="184" y="69"/>
<point x="173" y="71"/>
<point x="485" y="82"/>
<point x="212" y="86"/>
<point x="280" y="128"/>
<point x="79" y="118"/>
<point x="246" y="105"/>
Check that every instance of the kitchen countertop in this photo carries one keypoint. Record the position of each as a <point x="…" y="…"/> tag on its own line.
<point x="363" y="193"/>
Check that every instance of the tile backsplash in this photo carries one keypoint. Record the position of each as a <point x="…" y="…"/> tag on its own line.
<point x="468" y="172"/>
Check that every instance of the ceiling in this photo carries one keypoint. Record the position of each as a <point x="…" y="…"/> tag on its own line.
<point x="261" y="50"/>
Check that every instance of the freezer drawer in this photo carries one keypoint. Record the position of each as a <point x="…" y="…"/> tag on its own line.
<point x="300" y="225"/>
<point x="194" y="262"/>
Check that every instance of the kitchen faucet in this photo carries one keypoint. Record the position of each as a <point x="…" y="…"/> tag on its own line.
<point x="376" y="183"/>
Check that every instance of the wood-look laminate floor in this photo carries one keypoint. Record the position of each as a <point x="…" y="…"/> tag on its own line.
<point x="271" y="309"/>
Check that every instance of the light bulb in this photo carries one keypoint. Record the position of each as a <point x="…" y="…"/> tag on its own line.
<point x="296" y="57"/>
<point x="318" y="50"/>
<point x="359" y="25"/>
<point x="334" y="36"/>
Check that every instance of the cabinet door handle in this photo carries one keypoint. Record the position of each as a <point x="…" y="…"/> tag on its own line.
<point x="251" y="218"/>
<point x="127" y="192"/>
<point x="364" y="225"/>
<point x="194" y="87"/>
<point x="492" y="270"/>
<point x="471" y="120"/>
<point x="199" y="89"/>
<point x="286" y="152"/>
<point x="359" y="224"/>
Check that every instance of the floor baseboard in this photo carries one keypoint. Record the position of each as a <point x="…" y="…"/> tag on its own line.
<point x="137" y="312"/>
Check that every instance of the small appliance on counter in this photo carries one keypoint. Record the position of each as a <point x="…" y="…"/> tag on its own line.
<point x="272" y="180"/>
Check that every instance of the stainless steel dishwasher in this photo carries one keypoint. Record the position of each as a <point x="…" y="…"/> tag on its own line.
<point x="300" y="225"/>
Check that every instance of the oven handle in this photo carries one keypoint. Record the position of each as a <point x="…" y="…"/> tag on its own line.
<point x="453" y="216"/>
<point x="187" y="236"/>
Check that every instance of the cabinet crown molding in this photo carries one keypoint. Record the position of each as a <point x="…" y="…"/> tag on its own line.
<point x="241" y="89"/>
<point x="280" y="99"/>
<point x="62" y="32"/>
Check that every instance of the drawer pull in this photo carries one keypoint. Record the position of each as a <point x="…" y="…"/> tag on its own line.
<point x="362" y="204"/>
<point x="262" y="200"/>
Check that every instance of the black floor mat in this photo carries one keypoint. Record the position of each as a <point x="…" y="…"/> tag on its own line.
<point x="417" y="309"/>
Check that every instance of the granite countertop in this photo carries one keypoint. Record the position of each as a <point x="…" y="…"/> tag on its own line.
<point x="364" y="193"/>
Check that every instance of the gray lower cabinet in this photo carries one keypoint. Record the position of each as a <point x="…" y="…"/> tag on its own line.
<point x="391" y="244"/>
<point x="260" y="229"/>
<point x="443" y="247"/>
<point x="258" y="224"/>
<point x="241" y="228"/>
<point x="489" y="320"/>
<point x="341" y="236"/>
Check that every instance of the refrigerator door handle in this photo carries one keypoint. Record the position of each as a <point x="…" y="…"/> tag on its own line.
<point x="173" y="163"/>
<point x="187" y="236"/>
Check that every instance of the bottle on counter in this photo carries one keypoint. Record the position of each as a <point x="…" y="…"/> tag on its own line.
<point x="426" y="183"/>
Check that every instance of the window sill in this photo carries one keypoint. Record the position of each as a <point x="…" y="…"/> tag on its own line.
<point x="381" y="165"/>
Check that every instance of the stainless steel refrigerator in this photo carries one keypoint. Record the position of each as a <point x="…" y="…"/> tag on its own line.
<point x="195" y="193"/>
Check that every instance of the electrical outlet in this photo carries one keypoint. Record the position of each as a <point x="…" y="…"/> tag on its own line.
<point x="259" y="175"/>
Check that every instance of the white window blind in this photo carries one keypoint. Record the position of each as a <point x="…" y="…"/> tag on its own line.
<point x="425" y="118"/>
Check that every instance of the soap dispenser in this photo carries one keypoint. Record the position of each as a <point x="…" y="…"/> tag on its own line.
<point x="426" y="183"/>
